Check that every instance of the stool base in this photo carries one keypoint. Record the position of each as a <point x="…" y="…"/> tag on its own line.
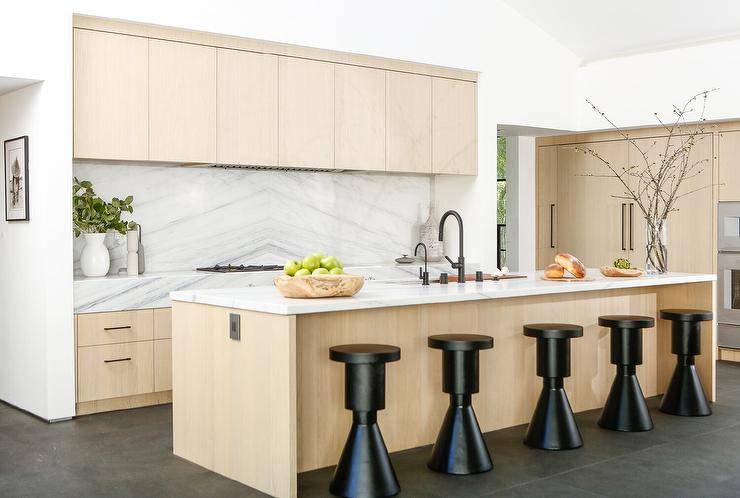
<point x="364" y="469"/>
<point x="685" y="396"/>
<point x="460" y="448"/>
<point x="626" y="409"/>
<point x="553" y="425"/>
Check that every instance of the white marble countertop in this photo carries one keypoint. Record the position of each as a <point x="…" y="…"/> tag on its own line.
<point x="267" y="299"/>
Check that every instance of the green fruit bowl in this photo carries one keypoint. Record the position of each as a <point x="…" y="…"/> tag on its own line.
<point x="317" y="286"/>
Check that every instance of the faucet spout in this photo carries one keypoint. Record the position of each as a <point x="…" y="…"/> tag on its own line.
<point x="460" y="265"/>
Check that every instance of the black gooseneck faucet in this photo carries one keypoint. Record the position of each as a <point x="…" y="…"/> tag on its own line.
<point x="423" y="276"/>
<point x="460" y="265"/>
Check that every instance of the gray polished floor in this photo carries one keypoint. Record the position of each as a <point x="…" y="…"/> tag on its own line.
<point x="129" y="454"/>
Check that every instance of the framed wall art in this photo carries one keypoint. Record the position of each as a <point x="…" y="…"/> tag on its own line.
<point x="16" y="179"/>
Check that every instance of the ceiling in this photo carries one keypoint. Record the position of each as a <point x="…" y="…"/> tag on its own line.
<point x="596" y="30"/>
<point x="8" y="85"/>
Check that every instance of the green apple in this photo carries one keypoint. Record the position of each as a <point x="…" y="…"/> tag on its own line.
<point x="292" y="266"/>
<point x="319" y="271"/>
<point x="336" y="271"/>
<point x="319" y="255"/>
<point x="330" y="262"/>
<point x="302" y="273"/>
<point x="311" y="262"/>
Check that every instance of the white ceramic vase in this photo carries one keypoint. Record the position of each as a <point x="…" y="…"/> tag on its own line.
<point x="95" y="258"/>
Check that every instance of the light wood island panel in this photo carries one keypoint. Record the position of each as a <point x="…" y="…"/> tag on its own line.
<point x="264" y="408"/>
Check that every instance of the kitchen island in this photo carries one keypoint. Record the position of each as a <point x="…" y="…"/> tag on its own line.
<point x="264" y="406"/>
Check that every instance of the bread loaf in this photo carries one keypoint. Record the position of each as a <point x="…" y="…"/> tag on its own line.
<point x="554" y="271"/>
<point x="571" y="263"/>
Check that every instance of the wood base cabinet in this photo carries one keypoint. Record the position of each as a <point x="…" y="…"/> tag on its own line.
<point x="124" y="360"/>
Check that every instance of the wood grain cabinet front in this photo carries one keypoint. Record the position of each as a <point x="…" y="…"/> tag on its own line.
<point x="182" y="102"/>
<point x="114" y="327"/>
<point x="454" y="137"/>
<point x="111" y="108"/>
<point x="408" y="123"/>
<point x="162" y="365"/>
<point x="247" y="108"/>
<point x="114" y="370"/>
<point x="306" y="113"/>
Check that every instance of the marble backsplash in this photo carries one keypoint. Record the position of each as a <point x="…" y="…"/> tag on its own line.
<point x="194" y="217"/>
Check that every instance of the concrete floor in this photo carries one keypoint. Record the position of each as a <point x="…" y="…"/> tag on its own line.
<point x="129" y="453"/>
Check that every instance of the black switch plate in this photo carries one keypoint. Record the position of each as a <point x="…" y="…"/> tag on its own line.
<point x="235" y="331"/>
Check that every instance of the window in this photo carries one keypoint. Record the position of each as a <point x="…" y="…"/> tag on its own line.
<point x="501" y="202"/>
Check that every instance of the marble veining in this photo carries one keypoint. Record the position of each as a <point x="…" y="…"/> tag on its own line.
<point x="152" y="290"/>
<point x="379" y="294"/>
<point x="195" y="217"/>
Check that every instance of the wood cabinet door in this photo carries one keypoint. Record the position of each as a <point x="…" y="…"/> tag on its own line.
<point x="360" y="118"/>
<point x="182" y="102"/>
<point x="690" y="232"/>
<point x="546" y="203"/>
<point x="729" y="166"/>
<point x="306" y="113"/>
<point x="591" y="222"/>
<point x="454" y="125"/>
<point x="408" y="123"/>
<point x="247" y="108"/>
<point x="111" y="114"/>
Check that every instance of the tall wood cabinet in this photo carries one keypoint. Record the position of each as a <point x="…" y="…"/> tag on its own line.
<point x="547" y="203"/>
<point x="592" y="222"/>
<point x="110" y="96"/>
<point x="729" y="166"/>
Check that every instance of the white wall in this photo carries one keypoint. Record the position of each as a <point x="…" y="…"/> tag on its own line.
<point x="520" y="203"/>
<point x="630" y="89"/>
<point x="36" y="326"/>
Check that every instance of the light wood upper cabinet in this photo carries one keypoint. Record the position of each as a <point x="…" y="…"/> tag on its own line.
<point x="592" y="223"/>
<point x="110" y="96"/>
<point x="454" y="144"/>
<point x="408" y="123"/>
<point x="247" y="108"/>
<point x="182" y="102"/>
<point x="547" y="201"/>
<point x="690" y="231"/>
<point x="360" y="118"/>
<point x="729" y="166"/>
<point x="306" y="113"/>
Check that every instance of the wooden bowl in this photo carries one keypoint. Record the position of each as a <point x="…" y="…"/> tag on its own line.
<point x="611" y="271"/>
<point x="314" y="286"/>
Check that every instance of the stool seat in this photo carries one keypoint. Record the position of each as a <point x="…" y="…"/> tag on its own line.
<point x="460" y="342"/>
<point x="553" y="330"/>
<point x="364" y="353"/>
<point x="627" y="321"/>
<point x="686" y="315"/>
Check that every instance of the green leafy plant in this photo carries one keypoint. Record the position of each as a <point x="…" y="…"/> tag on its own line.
<point x="91" y="214"/>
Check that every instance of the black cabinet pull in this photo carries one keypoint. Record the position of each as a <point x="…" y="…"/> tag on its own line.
<point x="117" y="360"/>
<point x="632" y="226"/>
<point x="624" y="206"/>
<point x="552" y="215"/>
<point x="117" y="328"/>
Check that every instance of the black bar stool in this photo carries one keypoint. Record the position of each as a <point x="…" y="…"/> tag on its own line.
<point x="625" y="408"/>
<point x="553" y="426"/>
<point x="685" y="395"/>
<point x="364" y="469"/>
<point x="460" y="448"/>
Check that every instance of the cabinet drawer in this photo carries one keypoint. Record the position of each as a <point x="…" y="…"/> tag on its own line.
<point x="163" y="323"/>
<point x="116" y="327"/>
<point x="163" y="365"/>
<point x="114" y="370"/>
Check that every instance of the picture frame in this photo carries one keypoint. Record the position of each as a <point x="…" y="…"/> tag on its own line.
<point x="16" y="179"/>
